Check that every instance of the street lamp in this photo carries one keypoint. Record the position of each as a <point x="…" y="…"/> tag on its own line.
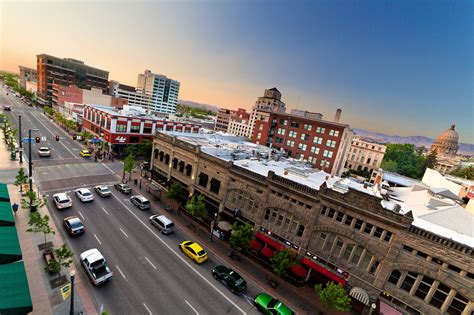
<point x="30" y="162"/>
<point x="21" y="140"/>
<point x="212" y="226"/>
<point x="72" y="274"/>
<point x="373" y="306"/>
<point x="236" y="213"/>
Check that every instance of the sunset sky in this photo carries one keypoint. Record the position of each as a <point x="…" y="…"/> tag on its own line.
<point x="398" y="67"/>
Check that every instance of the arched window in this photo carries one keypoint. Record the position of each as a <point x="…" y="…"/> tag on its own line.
<point x="167" y="159"/>
<point x="175" y="163"/>
<point x="189" y="169"/>
<point x="181" y="166"/>
<point x="394" y="277"/>
<point x="162" y="156"/>
<point x="155" y="153"/>
<point x="366" y="169"/>
<point x="359" y="168"/>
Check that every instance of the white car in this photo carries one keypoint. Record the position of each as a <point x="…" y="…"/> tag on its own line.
<point x="103" y="191"/>
<point x="62" y="200"/>
<point x="44" y="152"/>
<point x="84" y="194"/>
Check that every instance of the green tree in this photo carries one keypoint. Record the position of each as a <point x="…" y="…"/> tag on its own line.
<point x="129" y="164"/>
<point x="408" y="161"/>
<point x="48" y="110"/>
<point x="39" y="224"/>
<point x="241" y="235"/>
<point x="21" y="179"/>
<point x="196" y="206"/>
<point x="175" y="191"/>
<point x="389" y="165"/>
<point x="467" y="172"/>
<point x="32" y="202"/>
<point x="281" y="261"/>
<point x="86" y="135"/>
<point x="63" y="258"/>
<point x="333" y="297"/>
<point x="431" y="159"/>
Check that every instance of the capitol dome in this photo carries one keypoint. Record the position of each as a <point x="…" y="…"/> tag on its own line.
<point x="446" y="144"/>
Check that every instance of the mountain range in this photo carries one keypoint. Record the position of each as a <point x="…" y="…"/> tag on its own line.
<point x="418" y="141"/>
<point x="192" y="104"/>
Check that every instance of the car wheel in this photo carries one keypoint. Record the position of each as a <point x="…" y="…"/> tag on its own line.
<point x="232" y="290"/>
<point x="215" y="276"/>
<point x="180" y="248"/>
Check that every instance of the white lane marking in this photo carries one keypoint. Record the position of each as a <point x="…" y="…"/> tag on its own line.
<point x="149" y="312"/>
<point x="97" y="239"/>
<point x="150" y="262"/>
<point x="189" y="304"/>
<point x="108" y="168"/>
<point x="81" y="215"/>
<point x="121" y="273"/>
<point x="105" y="210"/>
<point x="124" y="233"/>
<point x="180" y="257"/>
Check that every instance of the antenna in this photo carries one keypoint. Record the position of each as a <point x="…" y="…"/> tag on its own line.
<point x="298" y="100"/>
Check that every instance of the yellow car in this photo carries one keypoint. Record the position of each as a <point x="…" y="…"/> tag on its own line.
<point x="85" y="153"/>
<point x="194" y="251"/>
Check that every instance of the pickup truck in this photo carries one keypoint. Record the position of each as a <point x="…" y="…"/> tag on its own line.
<point x="96" y="266"/>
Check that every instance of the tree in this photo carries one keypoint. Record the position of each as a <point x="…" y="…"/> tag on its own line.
<point x="32" y="202"/>
<point x="333" y="297"/>
<point x="175" y="191"/>
<point x="86" y="135"/>
<point x="196" y="206"/>
<point x="408" y="161"/>
<point x="282" y="260"/>
<point x="389" y="165"/>
<point x="141" y="149"/>
<point x="431" y="159"/>
<point x="63" y="258"/>
<point x="467" y="172"/>
<point x="128" y="165"/>
<point x="21" y="179"/>
<point x="241" y="235"/>
<point x="39" y="224"/>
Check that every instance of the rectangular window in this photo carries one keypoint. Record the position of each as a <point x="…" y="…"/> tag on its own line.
<point x="378" y="232"/>
<point x="364" y="262"/>
<point x="358" y="252"/>
<point x="267" y="214"/>
<point x="283" y="122"/>
<point x="203" y="178"/>
<point x="120" y="128"/>
<point x="280" y="220"/>
<point x="312" y="160"/>
<point x="320" y="130"/>
<point x="454" y="268"/>
<point x="348" y="220"/>
<point x="278" y="140"/>
<point x="327" y="153"/>
<point x="147" y="129"/>
<point x="394" y="277"/>
<point x="307" y="127"/>
<point x="134" y="129"/>
<point x="286" y="224"/>
<point x="300" y="231"/>
<point x="290" y="143"/>
<point x="295" y="124"/>
<point x="292" y="134"/>
<point x="388" y="236"/>
<point x="424" y="287"/>
<point x="324" y="210"/>
<point x="358" y="224"/>
<point x="409" y="280"/>
<point x="407" y="248"/>
<point x="334" y="133"/>
<point x="347" y="251"/>
<point x="337" y="248"/>
<point x="322" y="240"/>
<point x="339" y="216"/>
<point x="368" y="228"/>
<point x="440" y="295"/>
<point x="304" y="136"/>
<point x="259" y="135"/>
<point x="281" y="131"/>
<point x="318" y="140"/>
<point x="302" y="146"/>
<point x="458" y="304"/>
<point x="421" y="254"/>
<point x="215" y="186"/>
<point x="374" y="267"/>
<point x="331" y="213"/>
<point x="315" y="150"/>
<point x="329" y="242"/>
<point x="331" y="143"/>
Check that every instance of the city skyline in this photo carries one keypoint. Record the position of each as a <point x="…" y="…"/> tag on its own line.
<point x="385" y="64"/>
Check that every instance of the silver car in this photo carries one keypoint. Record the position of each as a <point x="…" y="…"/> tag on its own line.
<point x="44" y="152"/>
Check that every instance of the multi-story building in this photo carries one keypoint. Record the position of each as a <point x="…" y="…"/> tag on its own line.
<point x="129" y="93"/>
<point x="446" y="147"/>
<point x="364" y="155"/>
<point x="66" y="71"/>
<point x="163" y="91"/>
<point x="408" y="250"/>
<point x="223" y="119"/>
<point x="239" y="123"/>
<point x="119" y="128"/>
<point x="26" y="74"/>
<point x="74" y="94"/>
<point x="322" y="143"/>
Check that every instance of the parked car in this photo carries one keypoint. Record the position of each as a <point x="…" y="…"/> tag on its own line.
<point x="141" y="202"/>
<point x="194" y="251"/>
<point x="123" y="188"/>
<point x="85" y="153"/>
<point x="44" y="152"/>
<point x="7" y="108"/>
<point x="74" y="225"/>
<point x="229" y="278"/>
<point x="165" y="225"/>
<point x="103" y="191"/>
<point x="96" y="266"/>
<point x="267" y="304"/>
<point x="62" y="201"/>
<point x="84" y="194"/>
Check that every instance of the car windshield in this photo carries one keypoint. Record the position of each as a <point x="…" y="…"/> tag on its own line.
<point x="125" y="186"/>
<point x="63" y="200"/>
<point x="146" y="202"/>
<point x="76" y="223"/>
<point x="201" y="253"/>
<point x="170" y="225"/>
<point x="104" y="189"/>
<point x="98" y="265"/>
<point x="86" y="194"/>
<point x="272" y="303"/>
<point x="235" y="277"/>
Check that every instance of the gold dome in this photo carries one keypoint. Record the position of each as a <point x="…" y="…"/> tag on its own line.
<point x="446" y="144"/>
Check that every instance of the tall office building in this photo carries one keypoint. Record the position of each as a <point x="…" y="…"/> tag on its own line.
<point x="162" y="90"/>
<point x="67" y="71"/>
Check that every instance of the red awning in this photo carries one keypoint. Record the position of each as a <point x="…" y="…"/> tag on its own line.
<point x="298" y="270"/>
<point x="328" y="274"/>
<point x="267" y="252"/>
<point x="269" y="241"/>
<point x="254" y="244"/>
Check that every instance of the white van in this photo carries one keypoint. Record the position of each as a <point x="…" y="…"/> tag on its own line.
<point x="165" y="225"/>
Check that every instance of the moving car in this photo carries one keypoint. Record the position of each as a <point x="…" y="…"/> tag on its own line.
<point x="267" y="304"/>
<point x="7" y="108"/>
<point x="123" y="188"/>
<point x="96" y="266"/>
<point x="85" y="153"/>
<point x="229" y="278"/>
<point x="44" y="152"/>
<point x="103" y="191"/>
<point x="62" y="201"/>
<point x="165" y="225"/>
<point x="74" y="225"/>
<point x="141" y="202"/>
<point x="84" y="194"/>
<point x="194" y="251"/>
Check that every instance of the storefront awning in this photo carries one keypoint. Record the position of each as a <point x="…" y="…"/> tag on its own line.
<point x="10" y="250"/>
<point x="360" y="295"/>
<point x="6" y="214"/>
<point x="325" y="272"/>
<point x="15" y="296"/>
<point x="269" y="241"/>
<point x="4" y="196"/>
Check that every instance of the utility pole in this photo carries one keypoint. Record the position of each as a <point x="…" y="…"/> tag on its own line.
<point x="30" y="163"/>
<point x="21" y="140"/>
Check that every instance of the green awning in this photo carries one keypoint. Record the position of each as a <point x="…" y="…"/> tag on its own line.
<point x="15" y="296"/>
<point x="4" y="196"/>
<point x="10" y="250"/>
<point x="6" y="214"/>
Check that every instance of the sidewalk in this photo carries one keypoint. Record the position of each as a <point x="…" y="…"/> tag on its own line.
<point x="303" y="300"/>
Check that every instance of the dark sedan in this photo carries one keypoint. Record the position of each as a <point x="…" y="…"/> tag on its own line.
<point x="230" y="279"/>
<point x="74" y="225"/>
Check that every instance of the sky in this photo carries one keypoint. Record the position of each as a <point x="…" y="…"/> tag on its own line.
<point x="398" y="67"/>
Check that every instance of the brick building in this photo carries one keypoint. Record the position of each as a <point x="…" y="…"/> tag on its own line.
<point x="74" y="94"/>
<point x="399" y="254"/>
<point x="223" y="119"/>
<point x="305" y="136"/>
<point x="67" y="71"/>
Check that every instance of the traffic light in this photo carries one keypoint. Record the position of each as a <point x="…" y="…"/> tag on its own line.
<point x="57" y="138"/>
<point x="37" y="139"/>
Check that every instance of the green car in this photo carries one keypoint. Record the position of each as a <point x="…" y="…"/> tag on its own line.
<point x="269" y="305"/>
<point x="230" y="279"/>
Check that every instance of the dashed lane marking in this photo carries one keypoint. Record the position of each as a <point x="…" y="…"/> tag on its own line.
<point x="149" y="312"/>
<point x="97" y="239"/>
<point x="124" y="233"/>
<point x="189" y="304"/>
<point x="121" y="273"/>
<point x="150" y="262"/>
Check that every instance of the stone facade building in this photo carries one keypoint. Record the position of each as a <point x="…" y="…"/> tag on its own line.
<point x="446" y="146"/>
<point x="340" y="231"/>
<point x="364" y="155"/>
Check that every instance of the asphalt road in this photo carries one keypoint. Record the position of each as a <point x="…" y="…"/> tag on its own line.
<point x="151" y="275"/>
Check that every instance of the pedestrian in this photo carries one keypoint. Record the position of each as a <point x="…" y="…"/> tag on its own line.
<point x="95" y="158"/>
<point x="15" y="208"/>
<point x="112" y="157"/>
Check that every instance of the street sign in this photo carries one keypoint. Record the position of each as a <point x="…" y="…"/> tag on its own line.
<point x="44" y="138"/>
<point x="66" y="291"/>
<point x="27" y="140"/>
